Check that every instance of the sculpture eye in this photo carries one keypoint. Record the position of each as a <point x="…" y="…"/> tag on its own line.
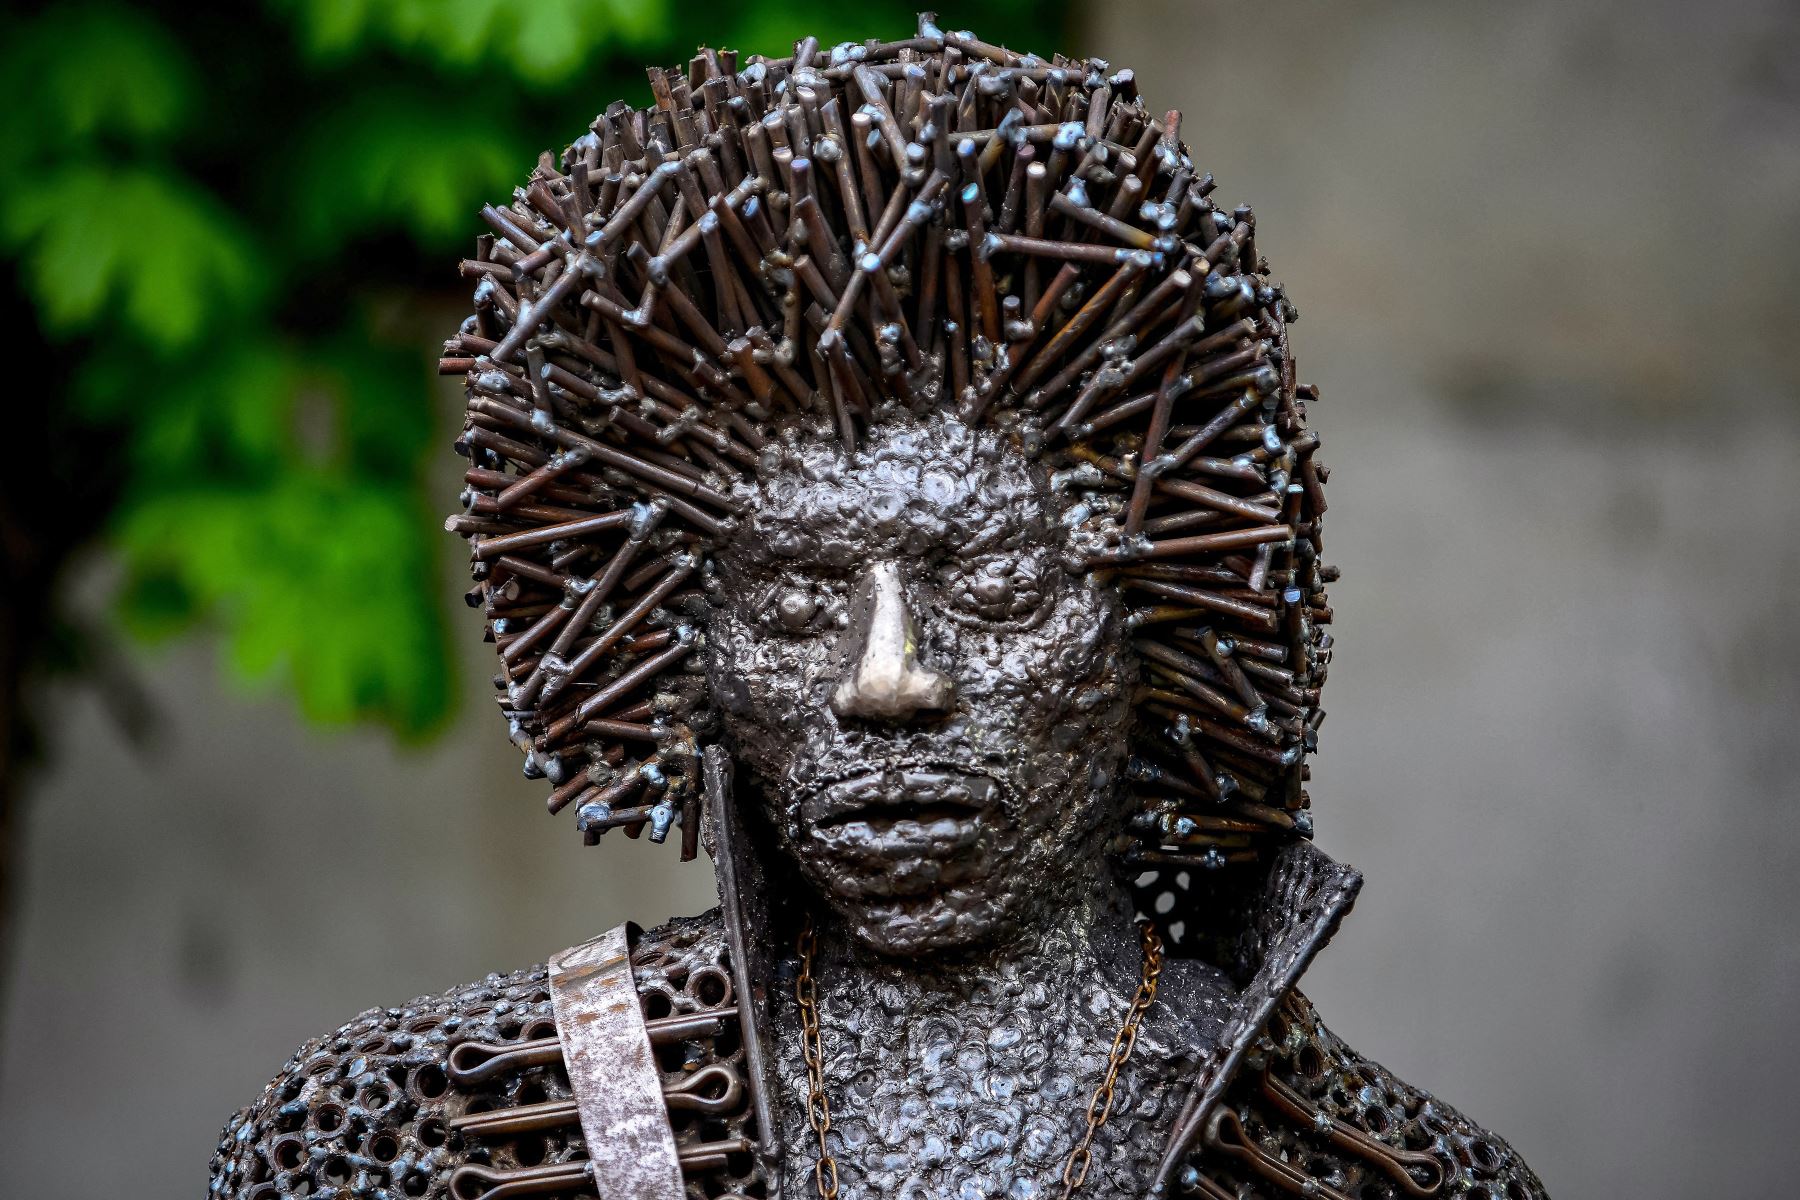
<point x="795" y="610"/>
<point x="996" y="590"/>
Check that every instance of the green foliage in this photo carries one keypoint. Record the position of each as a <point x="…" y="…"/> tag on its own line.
<point x="313" y="576"/>
<point x="535" y="41"/>
<point x="233" y="410"/>
<point x="235" y="230"/>
<point x="134" y="247"/>
<point x="82" y="71"/>
<point x="408" y="161"/>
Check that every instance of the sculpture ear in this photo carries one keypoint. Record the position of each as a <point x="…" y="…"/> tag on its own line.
<point x="743" y="899"/>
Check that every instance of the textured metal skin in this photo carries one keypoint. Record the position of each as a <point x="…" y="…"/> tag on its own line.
<point x="365" y="1111"/>
<point x="971" y="1079"/>
<point x="743" y="903"/>
<point x="612" y="1069"/>
<point x="961" y="816"/>
<point x="1295" y="1049"/>
<point x="366" y="1108"/>
<point x="372" y="1109"/>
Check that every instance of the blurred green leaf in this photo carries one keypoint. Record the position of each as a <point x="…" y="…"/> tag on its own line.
<point x="383" y="396"/>
<point x="539" y="41"/>
<point x="309" y="550"/>
<point x="240" y="222"/>
<point x="227" y="414"/>
<point x="150" y="243"/>
<point x="155" y="605"/>
<point x="410" y="162"/>
<point x="84" y="70"/>
<point x="318" y="581"/>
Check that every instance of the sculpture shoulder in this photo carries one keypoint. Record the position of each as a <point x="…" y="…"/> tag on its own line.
<point x="374" y="1106"/>
<point x="370" y="1102"/>
<point x="1304" y="1102"/>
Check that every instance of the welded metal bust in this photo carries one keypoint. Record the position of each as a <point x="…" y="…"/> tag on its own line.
<point x="887" y="467"/>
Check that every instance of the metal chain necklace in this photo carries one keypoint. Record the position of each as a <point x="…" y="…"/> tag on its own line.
<point x="1075" y="1168"/>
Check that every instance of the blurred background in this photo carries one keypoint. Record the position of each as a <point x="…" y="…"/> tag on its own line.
<point x="1545" y="258"/>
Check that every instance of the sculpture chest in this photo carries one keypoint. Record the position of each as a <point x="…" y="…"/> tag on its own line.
<point x="981" y="1088"/>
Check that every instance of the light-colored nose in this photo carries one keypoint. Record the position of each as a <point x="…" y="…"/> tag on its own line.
<point x="887" y="681"/>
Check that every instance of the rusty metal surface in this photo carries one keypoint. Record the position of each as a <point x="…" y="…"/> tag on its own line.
<point x="790" y="256"/>
<point x="612" y="1070"/>
<point x="369" y="1108"/>
<point x="464" y="1095"/>
<point x="896" y="448"/>
<point x="1302" y="901"/>
<point x="743" y="905"/>
<point x="685" y="974"/>
<point x="1309" y="1116"/>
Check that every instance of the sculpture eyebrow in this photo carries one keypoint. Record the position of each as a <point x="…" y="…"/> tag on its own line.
<point x="811" y="570"/>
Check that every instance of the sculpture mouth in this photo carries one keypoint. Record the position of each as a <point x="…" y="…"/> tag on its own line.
<point x="890" y="814"/>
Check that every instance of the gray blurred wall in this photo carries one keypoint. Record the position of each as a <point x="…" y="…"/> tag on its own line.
<point x="1544" y="255"/>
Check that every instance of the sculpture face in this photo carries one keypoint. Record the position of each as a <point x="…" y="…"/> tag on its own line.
<point x="931" y="706"/>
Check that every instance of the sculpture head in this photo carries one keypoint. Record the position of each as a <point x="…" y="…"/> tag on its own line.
<point x="929" y="696"/>
<point x="908" y="419"/>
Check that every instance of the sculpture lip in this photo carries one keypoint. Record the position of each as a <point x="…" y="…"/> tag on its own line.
<point x="885" y="794"/>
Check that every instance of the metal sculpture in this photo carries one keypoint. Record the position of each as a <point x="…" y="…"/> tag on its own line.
<point x="887" y="468"/>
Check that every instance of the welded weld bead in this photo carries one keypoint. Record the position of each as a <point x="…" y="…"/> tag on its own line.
<point x="593" y="816"/>
<point x="1158" y="215"/>
<point x="661" y="818"/>
<point x="646" y="516"/>
<point x="555" y="669"/>
<point x="1218" y="287"/>
<point x="1141" y="770"/>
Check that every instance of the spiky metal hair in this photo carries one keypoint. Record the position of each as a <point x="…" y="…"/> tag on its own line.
<point x="801" y="246"/>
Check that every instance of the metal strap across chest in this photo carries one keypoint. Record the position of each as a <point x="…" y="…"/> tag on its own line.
<point x="612" y="1069"/>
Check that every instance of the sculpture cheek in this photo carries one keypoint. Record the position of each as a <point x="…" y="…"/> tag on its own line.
<point x="731" y="692"/>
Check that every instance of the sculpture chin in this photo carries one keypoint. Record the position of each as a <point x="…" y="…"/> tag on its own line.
<point x="947" y="921"/>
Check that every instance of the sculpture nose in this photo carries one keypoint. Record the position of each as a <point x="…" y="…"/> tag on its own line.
<point x="887" y="681"/>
